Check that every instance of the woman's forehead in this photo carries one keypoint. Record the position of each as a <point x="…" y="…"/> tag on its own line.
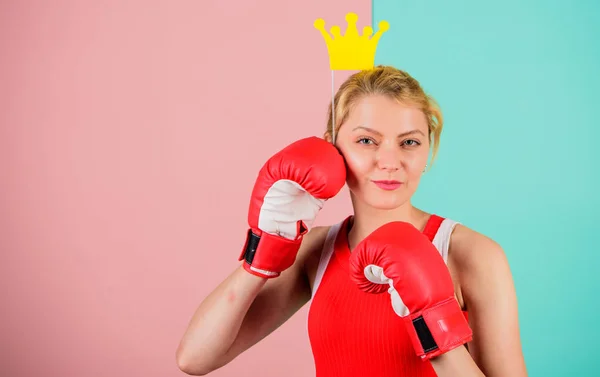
<point x="380" y="112"/>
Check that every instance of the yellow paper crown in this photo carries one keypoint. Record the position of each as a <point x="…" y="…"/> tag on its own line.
<point x="351" y="51"/>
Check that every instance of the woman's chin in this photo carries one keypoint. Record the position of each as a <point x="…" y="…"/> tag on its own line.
<point x="381" y="199"/>
<point x="385" y="202"/>
<point x="386" y="206"/>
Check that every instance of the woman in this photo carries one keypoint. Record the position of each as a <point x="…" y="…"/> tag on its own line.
<point x="386" y="127"/>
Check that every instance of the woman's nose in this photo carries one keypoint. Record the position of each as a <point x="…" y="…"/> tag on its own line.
<point x="388" y="158"/>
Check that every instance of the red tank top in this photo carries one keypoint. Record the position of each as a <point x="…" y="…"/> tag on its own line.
<point x="353" y="333"/>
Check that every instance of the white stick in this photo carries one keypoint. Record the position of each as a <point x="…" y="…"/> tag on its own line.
<point x="332" y="109"/>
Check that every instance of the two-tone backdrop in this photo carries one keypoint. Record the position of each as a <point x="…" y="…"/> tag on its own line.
<point x="131" y="134"/>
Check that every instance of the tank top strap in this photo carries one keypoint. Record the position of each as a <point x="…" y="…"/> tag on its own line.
<point x="441" y="239"/>
<point x="432" y="226"/>
<point x="326" y="252"/>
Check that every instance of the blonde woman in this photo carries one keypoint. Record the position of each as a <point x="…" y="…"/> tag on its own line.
<point x="393" y="290"/>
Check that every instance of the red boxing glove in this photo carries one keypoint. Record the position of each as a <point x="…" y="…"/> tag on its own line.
<point x="398" y="257"/>
<point x="290" y="190"/>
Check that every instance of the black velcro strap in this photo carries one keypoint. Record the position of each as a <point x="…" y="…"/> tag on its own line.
<point x="425" y="337"/>
<point x="251" y="246"/>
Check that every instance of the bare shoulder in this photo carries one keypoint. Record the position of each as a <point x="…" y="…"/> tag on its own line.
<point x="473" y="251"/>
<point x="312" y="242"/>
<point x="480" y="264"/>
<point x="487" y="290"/>
<point x="315" y="237"/>
<point x="310" y="252"/>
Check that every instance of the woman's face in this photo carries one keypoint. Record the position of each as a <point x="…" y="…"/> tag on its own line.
<point x="386" y="146"/>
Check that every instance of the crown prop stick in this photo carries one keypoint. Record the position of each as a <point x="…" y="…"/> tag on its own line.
<point x="350" y="51"/>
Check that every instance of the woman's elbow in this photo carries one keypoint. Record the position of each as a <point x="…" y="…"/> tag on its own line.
<point x="191" y="365"/>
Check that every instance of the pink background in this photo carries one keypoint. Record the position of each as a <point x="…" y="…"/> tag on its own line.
<point x="131" y="134"/>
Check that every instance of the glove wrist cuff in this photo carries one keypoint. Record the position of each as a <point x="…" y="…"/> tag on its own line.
<point x="438" y="329"/>
<point x="267" y="255"/>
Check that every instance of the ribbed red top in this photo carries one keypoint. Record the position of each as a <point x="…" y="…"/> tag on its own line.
<point x="353" y="333"/>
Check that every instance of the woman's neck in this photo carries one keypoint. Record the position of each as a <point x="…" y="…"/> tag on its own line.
<point x="367" y="219"/>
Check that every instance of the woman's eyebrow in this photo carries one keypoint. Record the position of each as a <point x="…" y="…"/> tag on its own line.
<point x="415" y="131"/>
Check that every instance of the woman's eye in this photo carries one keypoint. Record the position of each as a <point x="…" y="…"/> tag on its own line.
<point x="411" y="142"/>
<point x="364" y="140"/>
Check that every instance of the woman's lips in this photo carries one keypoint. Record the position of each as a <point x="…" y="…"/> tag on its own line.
<point x="388" y="185"/>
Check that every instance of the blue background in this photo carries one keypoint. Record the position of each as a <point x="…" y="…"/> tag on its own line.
<point x="518" y="84"/>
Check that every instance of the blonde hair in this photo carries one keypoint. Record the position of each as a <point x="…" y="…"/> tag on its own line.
<point x="392" y="82"/>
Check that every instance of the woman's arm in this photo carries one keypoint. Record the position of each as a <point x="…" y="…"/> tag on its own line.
<point x="455" y="363"/>
<point x="244" y="309"/>
<point x="489" y="295"/>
